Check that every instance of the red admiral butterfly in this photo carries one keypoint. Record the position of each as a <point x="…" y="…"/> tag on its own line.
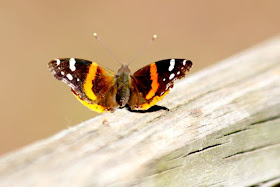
<point x="102" y="90"/>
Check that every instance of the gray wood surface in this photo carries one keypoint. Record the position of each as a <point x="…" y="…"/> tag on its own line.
<point x="223" y="129"/>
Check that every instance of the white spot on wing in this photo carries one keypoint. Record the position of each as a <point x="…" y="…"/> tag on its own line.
<point x="69" y="76"/>
<point x="78" y="79"/>
<point x="171" y="76"/>
<point x="62" y="73"/>
<point x="184" y="62"/>
<point x="163" y="79"/>
<point x="57" y="62"/>
<point x="72" y="64"/>
<point x="178" y="73"/>
<point x="172" y="64"/>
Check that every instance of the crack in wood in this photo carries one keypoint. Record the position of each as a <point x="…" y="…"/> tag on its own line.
<point x="235" y="132"/>
<point x="266" y="181"/>
<point x="203" y="149"/>
<point x="251" y="124"/>
<point x="265" y="120"/>
<point x="249" y="150"/>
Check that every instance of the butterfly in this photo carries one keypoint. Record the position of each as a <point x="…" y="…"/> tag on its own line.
<point x="101" y="89"/>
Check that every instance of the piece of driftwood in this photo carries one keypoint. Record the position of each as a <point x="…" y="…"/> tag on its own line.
<point x="223" y="129"/>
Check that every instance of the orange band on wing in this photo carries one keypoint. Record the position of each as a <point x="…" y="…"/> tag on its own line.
<point x="154" y="78"/>
<point x="88" y="82"/>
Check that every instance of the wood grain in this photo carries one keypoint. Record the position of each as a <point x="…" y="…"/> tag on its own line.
<point x="223" y="129"/>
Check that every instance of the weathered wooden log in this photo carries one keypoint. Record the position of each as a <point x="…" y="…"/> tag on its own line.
<point x="223" y="129"/>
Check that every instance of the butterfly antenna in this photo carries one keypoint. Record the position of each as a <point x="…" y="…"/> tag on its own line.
<point x="144" y="49"/>
<point x="107" y="49"/>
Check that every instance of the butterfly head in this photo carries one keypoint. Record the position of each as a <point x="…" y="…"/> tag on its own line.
<point x="124" y="69"/>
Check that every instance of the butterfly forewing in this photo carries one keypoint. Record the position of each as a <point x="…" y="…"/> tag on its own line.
<point x="89" y="82"/>
<point x="71" y="71"/>
<point x="154" y="81"/>
<point x="170" y="70"/>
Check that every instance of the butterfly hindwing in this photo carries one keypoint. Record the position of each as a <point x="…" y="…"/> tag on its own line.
<point x="92" y="85"/>
<point x="151" y="83"/>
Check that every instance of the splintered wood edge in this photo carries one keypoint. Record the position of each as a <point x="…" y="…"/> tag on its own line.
<point x="222" y="129"/>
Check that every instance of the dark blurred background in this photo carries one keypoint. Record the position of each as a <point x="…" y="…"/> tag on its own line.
<point x="34" y="105"/>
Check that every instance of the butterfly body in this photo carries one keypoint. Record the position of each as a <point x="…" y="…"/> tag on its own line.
<point x="123" y="82"/>
<point x="102" y="90"/>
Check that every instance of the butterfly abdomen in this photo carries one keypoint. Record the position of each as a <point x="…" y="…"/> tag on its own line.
<point x="123" y="86"/>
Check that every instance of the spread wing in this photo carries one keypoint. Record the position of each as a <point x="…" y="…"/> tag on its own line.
<point x="92" y="85"/>
<point x="151" y="83"/>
